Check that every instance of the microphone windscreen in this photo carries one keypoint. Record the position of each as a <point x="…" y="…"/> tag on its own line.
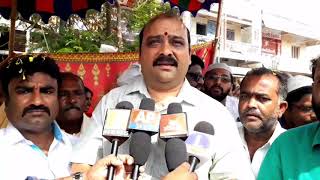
<point x="204" y="127"/>
<point x="175" y="152"/>
<point x="140" y="147"/>
<point x="124" y="105"/>
<point x="147" y="104"/>
<point x="174" y="108"/>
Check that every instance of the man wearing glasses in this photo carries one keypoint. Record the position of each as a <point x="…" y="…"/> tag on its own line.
<point x="299" y="100"/>
<point x="218" y="82"/>
<point x="194" y="74"/>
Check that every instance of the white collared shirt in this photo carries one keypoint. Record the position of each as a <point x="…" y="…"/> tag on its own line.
<point x="20" y="158"/>
<point x="262" y="151"/>
<point x="227" y="160"/>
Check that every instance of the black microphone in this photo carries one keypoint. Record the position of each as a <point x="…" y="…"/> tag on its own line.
<point x="175" y="153"/>
<point x="115" y="128"/>
<point x="198" y="144"/>
<point x="143" y="122"/>
<point x="174" y="123"/>
<point x="140" y="147"/>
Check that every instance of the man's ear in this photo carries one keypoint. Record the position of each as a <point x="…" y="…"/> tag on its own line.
<point x="282" y="108"/>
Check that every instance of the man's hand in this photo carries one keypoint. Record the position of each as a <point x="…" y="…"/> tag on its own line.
<point x="181" y="172"/>
<point x="122" y="163"/>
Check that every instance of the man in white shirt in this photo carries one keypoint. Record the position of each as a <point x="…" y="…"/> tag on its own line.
<point x="32" y="144"/>
<point x="72" y="101"/>
<point x="164" y="58"/>
<point x="261" y="104"/>
<point x="218" y="83"/>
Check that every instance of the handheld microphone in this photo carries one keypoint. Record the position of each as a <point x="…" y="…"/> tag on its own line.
<point x="145" y="118"/>
<point x="174" y="123"/>
<point x="175" y="153"/>
<point x="115" y="128"/>
<point x="199" y="144"/>
<point x="140" y="147"/>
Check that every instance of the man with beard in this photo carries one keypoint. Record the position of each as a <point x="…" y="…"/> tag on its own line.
<point x="194" y="74"/>
<point x="32" y="144"/>
<point x="72" y="101"/>
<point x="165" y="56"/>
<point x="299" y="100"/>
<point x="218" y="83"/>
<point x="295" y="154"/>
<point x="261" y="104"/>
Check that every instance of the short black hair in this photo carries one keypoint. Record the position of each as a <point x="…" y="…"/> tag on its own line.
<point x="314" y="64"/>
<point x="70" y="75"/>
<point x="87" y="90"/>
<point x="166" y="15"/>
<point x="196" y="60"/>
<point x="282" y="88"/>
<point x="295" y="95"/>
<point x="26" y="65"/>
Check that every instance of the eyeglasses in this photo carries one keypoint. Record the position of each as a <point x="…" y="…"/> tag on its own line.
<point x="223" y="79"/>
<point x="304" y="109"/>
<point x="194" y="76"/>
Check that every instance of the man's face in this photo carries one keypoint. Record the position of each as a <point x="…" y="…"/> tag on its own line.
<point x="301" y="112"/>
<point x="194" y="76"/>
<point x="316" y="92"/>
<point x="259" y="103"/>
<point x="32" y="104"/>
<point x="217" y="84"/>
<point x="88" y="101"/>
<point x="72" y="100"/>
<point x="164" y="54"/>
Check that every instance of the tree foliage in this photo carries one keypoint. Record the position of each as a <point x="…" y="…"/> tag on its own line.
<point x="86" y="35"/>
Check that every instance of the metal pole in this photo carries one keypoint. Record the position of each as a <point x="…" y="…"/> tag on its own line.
<point x="217" y="35"/>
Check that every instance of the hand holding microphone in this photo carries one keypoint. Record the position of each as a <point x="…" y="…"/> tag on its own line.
<point x="121" y="163"/>
<point x="181" y="172"/>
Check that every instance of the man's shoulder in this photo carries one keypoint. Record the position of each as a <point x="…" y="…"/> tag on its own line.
<point x="304" y="133"/>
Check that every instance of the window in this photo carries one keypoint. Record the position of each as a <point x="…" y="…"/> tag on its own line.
<point x="230" y="34"/>
<point x="295" y="52"/>
<point x="201" y="29"/>
<point x="211" y="27"/>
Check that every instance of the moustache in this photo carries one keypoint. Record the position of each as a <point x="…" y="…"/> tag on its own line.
<point x="165" y="60"/>
<point x="220" y="88"/>
<point x="252" y="112"/>
<point x="34" y="107"/>
<point x="72" y="107"/>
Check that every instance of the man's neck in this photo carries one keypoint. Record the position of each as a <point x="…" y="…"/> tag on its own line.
<point x="160" y="94"/>
<point x="42" y="140"/>
<point x="71" y="127"/>
<point x="256" y="140"/>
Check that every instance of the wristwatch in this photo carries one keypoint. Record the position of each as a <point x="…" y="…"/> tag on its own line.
<point x="77" y="176"/>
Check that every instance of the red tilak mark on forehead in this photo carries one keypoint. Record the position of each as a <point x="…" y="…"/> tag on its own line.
<point x="165" y="33"/>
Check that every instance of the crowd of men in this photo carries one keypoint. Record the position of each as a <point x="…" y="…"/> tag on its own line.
<point x="46" y="133"/>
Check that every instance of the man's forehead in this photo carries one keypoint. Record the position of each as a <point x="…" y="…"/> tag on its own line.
<point x="39" y="79"/>
<point x="174" y="28"/>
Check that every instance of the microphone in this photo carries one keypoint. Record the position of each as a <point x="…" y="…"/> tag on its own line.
<point x="174" y="123"/>
<point x="115" y="128"/>
<point x="175" y="153"/>
<point x="140" y="147"/>
<point x="143" y="122"/>
<point x="145" y="118"/>
<point x="199" y="144"/>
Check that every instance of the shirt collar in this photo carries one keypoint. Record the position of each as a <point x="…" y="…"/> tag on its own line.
<point x="316" y="139"/>
<point x="186" y="93"/>
<point x="278" y="130"/>
<point x="14" y="136"/>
